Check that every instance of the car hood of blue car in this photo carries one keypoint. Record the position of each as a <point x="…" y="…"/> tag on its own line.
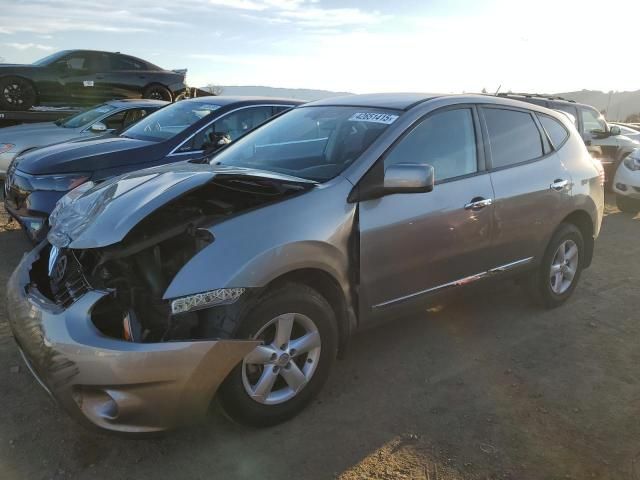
<point x="90" y="155"/>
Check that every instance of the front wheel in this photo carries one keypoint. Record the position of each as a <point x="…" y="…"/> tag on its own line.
<point x="16" y="94"/>
<point x="299" y="335"/>
<point x="627" y="205"/>
<point x="557" y="276"/>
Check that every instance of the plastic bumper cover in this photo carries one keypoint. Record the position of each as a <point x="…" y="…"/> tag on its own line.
<point x="627" y="182"/>
<point x="109" y="383"/>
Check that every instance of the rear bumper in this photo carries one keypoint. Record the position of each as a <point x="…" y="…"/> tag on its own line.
<point x="108" y="383"/>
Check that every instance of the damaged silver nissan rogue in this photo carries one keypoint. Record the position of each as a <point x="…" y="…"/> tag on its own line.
<point x="241" y="277"/>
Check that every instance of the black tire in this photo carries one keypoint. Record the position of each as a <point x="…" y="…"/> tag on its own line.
<point x="289" y="298"/>
<point x="627" y="205"/>
<point x="157" y="92"/>
<point x="16" y="94"/>
<point x="539" y="283"/>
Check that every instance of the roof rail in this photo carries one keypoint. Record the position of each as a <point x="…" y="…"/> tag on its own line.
<point x="536" y="95"/>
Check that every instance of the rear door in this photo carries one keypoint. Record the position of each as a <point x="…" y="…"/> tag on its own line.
<point x="531" y="185"/>
<point x="126" y="76"/>
<point x="414" y="244"/>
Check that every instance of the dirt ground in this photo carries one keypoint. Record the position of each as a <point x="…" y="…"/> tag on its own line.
<point x="486" y="387"/>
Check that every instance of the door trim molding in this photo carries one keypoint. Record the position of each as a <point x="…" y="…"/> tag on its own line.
<point x="458" y="283"/>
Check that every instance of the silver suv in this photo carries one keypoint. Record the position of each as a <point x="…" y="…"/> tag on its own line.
<point x="245" y="274"/>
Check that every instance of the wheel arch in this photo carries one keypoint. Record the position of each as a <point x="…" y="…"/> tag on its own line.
<point x="583" y="221"/>
<point x="329" y="287"/>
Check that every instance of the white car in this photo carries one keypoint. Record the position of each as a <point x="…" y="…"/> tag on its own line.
<point x="626" y="183"/>
<point x="632" y="133"/>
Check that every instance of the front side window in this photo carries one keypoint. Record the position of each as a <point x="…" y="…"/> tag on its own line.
<point x="445" y="140"/>
<point x="229" y="128"/>
<point x="593" y="122"/>
<point x="315" y="143"/>
<point x="513" y="136"/>
<point x="557" y="133"/>
<point x="171" y="120"/>
<point x="86" y="117"/>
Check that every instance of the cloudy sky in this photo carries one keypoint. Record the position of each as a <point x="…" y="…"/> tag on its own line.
<point x="349" y="45"/>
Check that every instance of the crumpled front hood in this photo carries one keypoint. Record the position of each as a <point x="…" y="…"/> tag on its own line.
<point x="96" y="216"/>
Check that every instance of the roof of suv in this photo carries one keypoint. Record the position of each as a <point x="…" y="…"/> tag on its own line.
<point x="406" y="101"/>
<point x="396" y="101"/>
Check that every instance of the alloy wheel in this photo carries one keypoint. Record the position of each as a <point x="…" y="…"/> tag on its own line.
<point x="13" y="94"/>
<point x="564" y="267"/>
<point x="278" y="369"/>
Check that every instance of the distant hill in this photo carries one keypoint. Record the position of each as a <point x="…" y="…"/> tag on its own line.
<point x="297" y="93"/>
<point x="616" y="106"/>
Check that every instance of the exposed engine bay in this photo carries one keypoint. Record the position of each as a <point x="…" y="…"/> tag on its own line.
<point x="137" y="271"/>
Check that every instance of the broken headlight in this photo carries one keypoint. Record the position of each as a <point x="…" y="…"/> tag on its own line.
<point x="208" y="299"/>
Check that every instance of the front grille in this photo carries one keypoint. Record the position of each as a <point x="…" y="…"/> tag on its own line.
<point x="73" y="284"/>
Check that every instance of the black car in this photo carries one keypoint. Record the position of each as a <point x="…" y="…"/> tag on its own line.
<point x="185" y="130"/>
<point x="85" y="77"/>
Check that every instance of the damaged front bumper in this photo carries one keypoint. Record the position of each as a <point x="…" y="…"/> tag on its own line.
<point x="109" y="383"/>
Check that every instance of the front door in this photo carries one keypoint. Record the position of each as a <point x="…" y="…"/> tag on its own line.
<point x="415" y="244"/>
<point x="80" y="75"/>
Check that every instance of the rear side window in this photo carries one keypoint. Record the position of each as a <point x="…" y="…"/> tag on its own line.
<point x="121" y="63"/>
<point x="556" y="131"/>
<point x="514" y="137"/>
<point x="445" y="140"/>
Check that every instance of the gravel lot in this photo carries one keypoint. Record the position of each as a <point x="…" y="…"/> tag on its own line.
<point x="483" y="387"/>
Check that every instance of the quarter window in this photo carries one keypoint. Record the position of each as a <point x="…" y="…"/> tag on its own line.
<point x="445" y="140"/>
<point x="514" y="137"/>
<point x="557" y="133"/>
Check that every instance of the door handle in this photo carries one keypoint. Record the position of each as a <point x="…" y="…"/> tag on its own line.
<point x="559" y="185"/>
<point x="478" y="203"/>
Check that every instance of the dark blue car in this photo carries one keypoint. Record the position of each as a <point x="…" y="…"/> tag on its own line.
<point x="181" y="131"/>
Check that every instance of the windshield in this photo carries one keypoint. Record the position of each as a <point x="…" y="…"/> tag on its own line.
<point x="86" y="117"/>
<point x="50" y="58"/>
<point x="170" y="121"/>
<point x="315" y="143"/>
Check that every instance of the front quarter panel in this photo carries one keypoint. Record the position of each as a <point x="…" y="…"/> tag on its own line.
<point x="311" y="230"/>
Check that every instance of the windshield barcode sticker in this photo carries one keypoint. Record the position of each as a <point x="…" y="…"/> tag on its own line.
<point x="374" y="118"/>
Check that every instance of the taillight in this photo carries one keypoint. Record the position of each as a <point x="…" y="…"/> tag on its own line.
<point x="598" y="164"/>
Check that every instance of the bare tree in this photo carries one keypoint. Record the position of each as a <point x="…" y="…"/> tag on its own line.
<point x="215" y="89"/>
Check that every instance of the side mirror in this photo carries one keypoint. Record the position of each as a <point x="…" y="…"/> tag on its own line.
<point x="98" y="127"/>
<point x="408" y="178"/>
<point x="614" y="131"/>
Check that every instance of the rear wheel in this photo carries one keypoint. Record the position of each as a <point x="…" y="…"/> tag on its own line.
<point x="157" y="92"/>
<point x="557" y="276"/>
<point x="16" y="94"/>
<point x="627" y="205"/>
<point x="298" y="331"/>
